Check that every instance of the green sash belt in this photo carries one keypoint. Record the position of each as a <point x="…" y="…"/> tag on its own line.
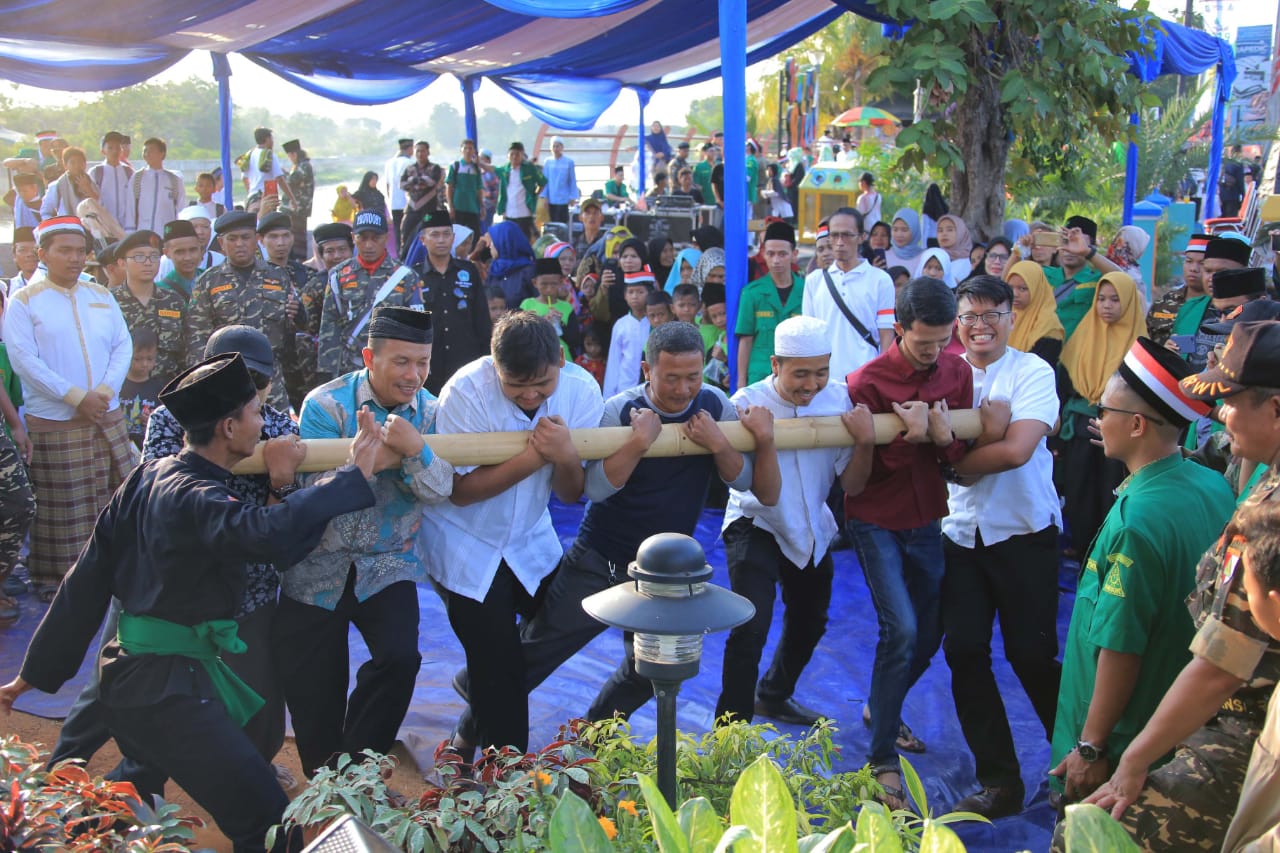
<point x="147" y="635"/>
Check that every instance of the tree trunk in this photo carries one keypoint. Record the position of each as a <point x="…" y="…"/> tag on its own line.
<point x="977" y="190"/>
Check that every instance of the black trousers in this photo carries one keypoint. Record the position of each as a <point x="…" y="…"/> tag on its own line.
<point x="490" y="636"/>
<point x="559" y="212"/>
<point x="757" y="568"/>
<point x="397" y="217"/>
<point x="1016" y="580"/>
<point x="470" y="220"/>
<point x="312" y="657"/>
<point x="84" y="731"/>
<point x="194" y="742"/>
<point x="409" y="226"/>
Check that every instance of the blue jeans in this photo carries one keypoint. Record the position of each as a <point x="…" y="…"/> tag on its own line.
<point x="904" y="571"/>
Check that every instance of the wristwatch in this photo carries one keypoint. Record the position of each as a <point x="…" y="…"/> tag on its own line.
<point x="284" y="491"/>
<point x="1093" y="250"/>
<point x="1089" y="752"/>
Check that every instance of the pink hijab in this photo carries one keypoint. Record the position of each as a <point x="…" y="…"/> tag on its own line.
<point x="964" y="240"/>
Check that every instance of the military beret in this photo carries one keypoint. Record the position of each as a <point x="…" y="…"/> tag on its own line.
<point x="234" y="220"/>
<point x="138" y="240"/>
<point x="275" y="222"/>
<point x="333" y="231"/>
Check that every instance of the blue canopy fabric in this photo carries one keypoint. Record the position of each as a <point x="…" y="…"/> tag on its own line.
<point x="565" y="8"/>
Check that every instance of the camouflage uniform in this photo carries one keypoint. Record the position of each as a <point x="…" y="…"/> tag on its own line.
<point x="1163" y="312"/>
<point x="226" y="296"/>
<point x="166" y="315"/>
<point x="1187" y="804"/>
<point x="348" y="299"/>
<point x="17" y="504"/>
<point x="302" y="180"/>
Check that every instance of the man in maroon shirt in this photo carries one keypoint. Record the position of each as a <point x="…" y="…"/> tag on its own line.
<point x="893" y="516"/>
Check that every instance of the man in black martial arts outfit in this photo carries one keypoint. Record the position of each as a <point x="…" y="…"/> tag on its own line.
<point x="172" y="546"/>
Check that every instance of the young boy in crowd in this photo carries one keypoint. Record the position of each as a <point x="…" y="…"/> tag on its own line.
<point x="549" y="281"/>
<point x="686" y="303"/>
<point x="626" y="346"/>
<point x="715" y="323"/>
<point x="657" y="308"/>
<point x="497" y="303"/>
<point x="1256" y="825"/>
<point x="592" y="358"/>
<point x="141" y="391"/>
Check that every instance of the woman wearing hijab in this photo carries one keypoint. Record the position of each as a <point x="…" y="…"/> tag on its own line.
<point x="796" y="167"/>
<point x="934" y="208"/>
<point x="682" y="268"/>
<point x="776" y="194"/>
<point x="1127" y="248"/>
<point x="955" y="239"/>
<point x="996" y="259"/>
<point x="1036" y="327"/>
<point x="512" y="267"/>
<point x="662" y="254"/>
<point x="610" y="301"/>
<point x="1086" y="478"/>
<point x="1015" y="229"/>
<point x="905" y="247"/>
<point x="710" y="268"/>
<point x="368" y="196"/>
<point x="934" y="263"/>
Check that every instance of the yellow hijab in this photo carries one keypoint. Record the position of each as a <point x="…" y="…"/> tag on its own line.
<point x="1096" y="349"/>
<point x="1040" y="318"/>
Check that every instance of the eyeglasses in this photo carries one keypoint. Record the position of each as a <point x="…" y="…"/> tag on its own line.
<point x="993" y="256"/>
<point x="144" y="259"/>
<point x="842" y="235"/>
<point x="1102" y="410"/>
<point x="988" y="317"/>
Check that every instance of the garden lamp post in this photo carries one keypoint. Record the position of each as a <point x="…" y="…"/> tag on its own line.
<point x="669" y="607"/>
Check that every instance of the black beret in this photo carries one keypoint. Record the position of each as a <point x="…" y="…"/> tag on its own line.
<point x="212" y="397"/>
<point x="275" y="222"/>
<point x="234" y="220"/>
<point x="137" y="239"/>
<point x="333" y="231"/>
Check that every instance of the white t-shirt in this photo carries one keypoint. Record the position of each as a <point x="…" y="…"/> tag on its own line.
<point x="517" y="204"/>
<point x="801" y="522"/>
<point x="257" y="176"/>
<point x="1021" y="501"/>
<point x="463" y="546"/>
<point x="391" y="173"/>
<point x="868" y="205"/>
<point x="869" y="293"/>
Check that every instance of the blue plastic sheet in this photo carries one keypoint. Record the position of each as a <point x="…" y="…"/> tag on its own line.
<point x="835" y="683"/>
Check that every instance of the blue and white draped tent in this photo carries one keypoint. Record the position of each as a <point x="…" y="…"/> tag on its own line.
<point x="565" y="61"/>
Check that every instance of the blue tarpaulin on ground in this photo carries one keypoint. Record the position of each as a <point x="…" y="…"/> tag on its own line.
<point x="835" y="683"/>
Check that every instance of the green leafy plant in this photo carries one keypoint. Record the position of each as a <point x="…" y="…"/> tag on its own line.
<point x="67" y="809"/>
<point x="1088" y="828"/>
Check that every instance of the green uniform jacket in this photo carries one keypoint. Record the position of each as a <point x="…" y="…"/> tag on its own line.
<point x="1076" y="304"/>
<point x="759" y="313"/>
<point x="257" y="297"/>
<point x="166" y="315"/>
<point x="702" y="180"/>
<point x="532" y="179"/>
<point x="348" y="299"/>
<point x="1131" y="589"/>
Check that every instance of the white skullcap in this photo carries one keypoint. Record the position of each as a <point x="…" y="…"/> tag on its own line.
<point x="556" y="139"/>
<point x="801" y="337"/>
<point x="460" y="233"/>
<point x="195" y="211"/>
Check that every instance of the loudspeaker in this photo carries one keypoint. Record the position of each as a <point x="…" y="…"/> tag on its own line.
<point x="348" y="835"/>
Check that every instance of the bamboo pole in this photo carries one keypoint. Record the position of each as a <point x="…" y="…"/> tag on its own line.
<point x="490" y="448"/>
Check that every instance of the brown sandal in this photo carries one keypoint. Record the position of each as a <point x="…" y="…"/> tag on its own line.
<point x="893" y="799"/>
<point x="906" y="740"/>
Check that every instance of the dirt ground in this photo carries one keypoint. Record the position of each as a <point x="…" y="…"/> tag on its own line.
<point x="44" y="733"/>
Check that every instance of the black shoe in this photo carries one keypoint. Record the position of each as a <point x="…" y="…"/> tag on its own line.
<point x="994" y="802"/>
<point x="787" y="711"/>
<point x="462" y="685"/>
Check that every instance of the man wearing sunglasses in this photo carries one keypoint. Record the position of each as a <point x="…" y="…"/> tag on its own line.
<point x="1130" y="629"/>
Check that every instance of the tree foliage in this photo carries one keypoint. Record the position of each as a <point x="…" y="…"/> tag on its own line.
<point x="1000" y="69"/>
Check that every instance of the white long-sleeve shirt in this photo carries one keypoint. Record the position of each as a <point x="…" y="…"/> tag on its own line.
<point x="65" y="342"/>
<point x="113" y="188"/>
<point x="159" y="196"/>
<point x="391" y="173"/>
<point x="626" y="351"/>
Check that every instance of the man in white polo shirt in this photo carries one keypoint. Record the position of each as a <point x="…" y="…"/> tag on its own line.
<point x="854" y="298"/>
<point x="492" y="546"/>
<point x="1001" y="546"/>
<point x="70" y="346"/>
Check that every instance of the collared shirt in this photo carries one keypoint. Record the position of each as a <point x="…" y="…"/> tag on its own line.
<point x="165" y="313"/>
<point x="302" y="180"/>
<point x="870" y="296"/>
<point x="379" y="540"/>
<point x="906" y="489"/>
<point x="262" y="165"/>
<point x="463" y="546"/>
<point x="460" y="324"/>
<point x="348" y="305"/>
<point x="65" y="342"/>
<point x="419" y="181"/>
<point x="562" y="182"/>
<point x="156" y="196"/>
<point x="1022" y="500"/>
<point x="626" y="351"/>
<point x="25" y="216"/>
<point x="113" y="188"/>
<point x="391" y="173"/>
<point x="801" y="522"/>
<point x="759" y="313"/>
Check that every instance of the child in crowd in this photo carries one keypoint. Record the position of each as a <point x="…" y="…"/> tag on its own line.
<point x="497" y="303"/>
<point x="715" y="323"/>
<point x="900" y="277"/>
<point x="630" y="332"/>
<point x="141" y="391"/>
<point x="548" y="280"/>
<point x="686" y="303"/>
<point x="657" y="308"/>
<point x="592" y="358"/>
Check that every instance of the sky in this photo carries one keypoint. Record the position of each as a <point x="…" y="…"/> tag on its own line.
<point x="254" y="86"/>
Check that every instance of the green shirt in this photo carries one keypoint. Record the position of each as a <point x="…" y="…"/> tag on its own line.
<point x="1132" y="589"/>
<point x="10" y="385"/>
<point x="617" y="188"/>
<point x="1073" y="307"/>
<point x="753" y="179"/>
<point x="563" y="312"/>
<point x="759" y="313"/>
<point x="465" y="180"/>
<point x="710" y="334"/>
<point x="702" y="178"/>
